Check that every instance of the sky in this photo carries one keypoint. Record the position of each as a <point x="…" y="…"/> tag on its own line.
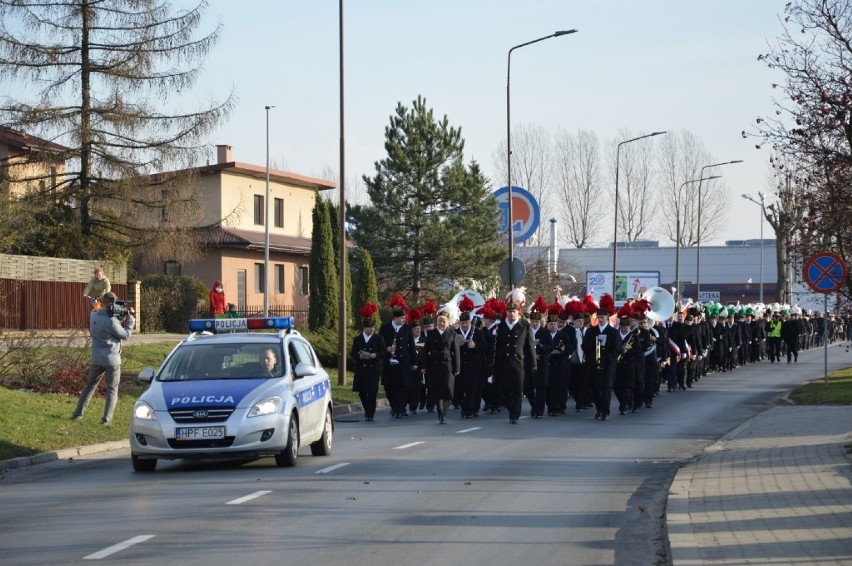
<point x="636" y="65"/>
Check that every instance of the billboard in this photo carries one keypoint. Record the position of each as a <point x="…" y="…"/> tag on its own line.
<point x="628" y="284"/>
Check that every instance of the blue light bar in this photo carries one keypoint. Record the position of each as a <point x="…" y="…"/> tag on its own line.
<point x="216" y="325"/>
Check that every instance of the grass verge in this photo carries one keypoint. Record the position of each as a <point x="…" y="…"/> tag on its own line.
<point x="838" y="391"/>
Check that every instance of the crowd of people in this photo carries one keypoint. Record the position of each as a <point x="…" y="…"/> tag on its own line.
<point x="569" y="355"/>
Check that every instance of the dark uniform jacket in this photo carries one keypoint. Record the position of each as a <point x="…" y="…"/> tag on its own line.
<point x="368" y="372"/>
<point x="441" y="360"/>
<point x="512" y="348"/>
<point x="604" y="374"/>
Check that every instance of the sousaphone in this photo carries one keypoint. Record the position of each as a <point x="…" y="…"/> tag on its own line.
<point x="662" y="303"/>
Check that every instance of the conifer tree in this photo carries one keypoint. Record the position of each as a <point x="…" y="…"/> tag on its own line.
<point x="432" y="220"/>
<point x="364" y="286"/>
<point x="322" y="284"/>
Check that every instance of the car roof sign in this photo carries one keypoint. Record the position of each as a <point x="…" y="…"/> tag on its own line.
<point x="220" y="325"/>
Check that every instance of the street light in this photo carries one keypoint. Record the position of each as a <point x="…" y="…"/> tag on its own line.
<point x="509" y="147"/>
<point x="698" y="237"/>
<point x="762" y="213"/>
<point x="677" y="230"/>
<point x="615" y="228"/>
<point x="266" y="225"/>
<point x="343" y="313"/>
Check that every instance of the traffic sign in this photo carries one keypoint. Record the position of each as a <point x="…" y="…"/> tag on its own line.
<point x="525" y="212"/>
<point x="825" y="272"/>
<point x="518" y="272"/>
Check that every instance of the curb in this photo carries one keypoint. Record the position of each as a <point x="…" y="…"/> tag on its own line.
<point x="682" y="546"/>
<point x="62" y="454"/>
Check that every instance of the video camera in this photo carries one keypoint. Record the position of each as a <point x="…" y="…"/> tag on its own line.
<point x="118" y="309"/>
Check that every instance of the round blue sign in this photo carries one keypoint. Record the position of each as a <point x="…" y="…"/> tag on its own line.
<point x="825" y="272"/>
<point x="525" y="212"/>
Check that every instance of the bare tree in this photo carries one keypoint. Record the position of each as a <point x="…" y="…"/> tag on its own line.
<point x="577" y="183"/>
<point x="98" y="74"/>
<point x="680" y="157"/>
<point x="531" y="168"/>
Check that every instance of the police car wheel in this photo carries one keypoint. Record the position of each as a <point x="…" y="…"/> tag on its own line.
<point x="143" y="465"/>
<point x="287" y="457"/>
<point x="322" y="447"/>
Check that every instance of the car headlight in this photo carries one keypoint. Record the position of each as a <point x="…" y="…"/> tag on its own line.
<point x="144" y="411"/>
<point x="268" y="406"/>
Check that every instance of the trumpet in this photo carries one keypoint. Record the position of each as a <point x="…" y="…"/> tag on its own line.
<point x="598" y="352"/>
<point x="627" y="346"/>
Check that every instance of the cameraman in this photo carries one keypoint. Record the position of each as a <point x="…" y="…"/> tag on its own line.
<point x="107" y="331"/>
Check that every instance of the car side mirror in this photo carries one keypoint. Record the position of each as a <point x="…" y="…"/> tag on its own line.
<point x="302" y="369"/>
<point x="146" y="375"/>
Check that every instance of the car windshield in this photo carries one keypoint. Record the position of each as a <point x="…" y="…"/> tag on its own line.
<point x="223" y="361"/>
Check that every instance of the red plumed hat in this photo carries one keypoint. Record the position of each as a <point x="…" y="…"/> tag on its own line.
<point x="626" y="311"/>
<point x="465" y="304"/>
<point x="640" y="307"/>
<point x="590" y="305"/>
<point x="577" y="307"/>
<point x="608" y="303"/>
<point x="429" y="307"/>
<point x="367" y="313"/>
<point x="412" y="316"/>
<point x="553" y="311"/>
<point x="397" y="304"/>
<point x="540" y="305"/>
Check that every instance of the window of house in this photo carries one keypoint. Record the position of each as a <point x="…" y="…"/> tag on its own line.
<point x="279" y="278"/>
<point x="303" y="279"/>
<point x="258" y="210"/>
<point x="279" y="213"/>
<point x="259" y="278"/>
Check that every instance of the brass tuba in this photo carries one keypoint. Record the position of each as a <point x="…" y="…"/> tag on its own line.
<point x="662" y="303"/>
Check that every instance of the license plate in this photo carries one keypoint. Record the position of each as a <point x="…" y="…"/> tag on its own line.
<point x="200" y="433"/>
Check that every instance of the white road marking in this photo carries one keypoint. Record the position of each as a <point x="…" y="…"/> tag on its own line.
<point x="468" y="430"/>
<point x="117" y="547"/>
<point x="248" y="497"/>
<point x="404" y="446"/>
<point x="332" y="468"/>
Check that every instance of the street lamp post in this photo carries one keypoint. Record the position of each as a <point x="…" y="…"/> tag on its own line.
<point x="698" y="236"/>
<point x="343" y="314"/>
<point x="615" y="227"/>
<point x="762" y="214"/>
<point x="266" y="225"/>
<point x="677" y="230"/>
<point x="509" y="147"/>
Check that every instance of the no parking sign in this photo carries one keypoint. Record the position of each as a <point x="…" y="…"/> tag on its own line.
<point x="825" y="273"/>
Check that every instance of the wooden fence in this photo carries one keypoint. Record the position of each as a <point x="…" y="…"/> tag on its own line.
<point x="46" y="305"/>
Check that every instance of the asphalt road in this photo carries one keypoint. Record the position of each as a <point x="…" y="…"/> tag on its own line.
<point x="564" y="490"/>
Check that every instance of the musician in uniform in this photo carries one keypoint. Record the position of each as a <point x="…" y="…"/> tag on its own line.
<point x="513" y="345"/>
<point x="640" y="343"/>
<point x="580" y="388"/>
<point x="626" y="363"/>
<point x="558" y="361"/>
<point x="368" y="351"/>
<point x="538" y="371"/>
<point x="472" y="351"/>
<point x="396" y="375"/>
<point x="441" y="354"/>
<point x="601" y="346"/>
<point x="415" y="385"/>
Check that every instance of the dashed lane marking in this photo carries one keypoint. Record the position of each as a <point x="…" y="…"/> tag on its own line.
<point x="332" y="468"/>
<point x="404" y="446"/>
<point x="248" y="497"/>
<point x="117" y="547"/>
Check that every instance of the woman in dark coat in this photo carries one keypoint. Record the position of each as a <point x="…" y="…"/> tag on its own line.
<point x="441" y="356"/>
<point x="368" y="351"/>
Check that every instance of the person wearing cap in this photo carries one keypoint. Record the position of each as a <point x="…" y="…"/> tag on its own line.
<point x="677" y="337"/>
<point x="790" y="331"/>
<point x="564" y="345"/>
<point x="580" y="386"/>
<point x="642" y="342"/>
<point x="626" y="363"/>
<point x="490" y="393"/>
<point x="513" y="346"/>
<point x="416" y="388"/>
<point x="396" y="374"/>
<point x="773" y="337"/>
<point x="441" y="355"/>
<point x="472" y="351"/>
<point x="603" y="338"/>
<point x="536" y="380"/>
<point x="368" y="351"/>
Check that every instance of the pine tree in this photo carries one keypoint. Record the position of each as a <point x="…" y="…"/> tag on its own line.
<point x="96" y="77"/>
<point x="323" y="286"/>
<point x="432" y="220"/>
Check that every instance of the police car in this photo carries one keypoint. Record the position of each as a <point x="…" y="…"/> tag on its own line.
<point x="227" y="392"/>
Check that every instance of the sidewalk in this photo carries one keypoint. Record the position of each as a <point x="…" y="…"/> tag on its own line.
<point x="776" y="490"/>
